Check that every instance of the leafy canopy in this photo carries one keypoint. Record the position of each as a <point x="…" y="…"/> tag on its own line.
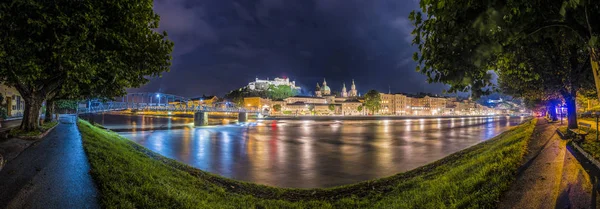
<point x="461" y="41"/>
<point x="277" y="107"/>
<point x="372" y="101"/>
<point x="94" y="48"/>
<point x="77" y="49"/>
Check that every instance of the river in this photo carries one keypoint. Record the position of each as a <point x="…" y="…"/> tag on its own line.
<point x="308" y="153"/>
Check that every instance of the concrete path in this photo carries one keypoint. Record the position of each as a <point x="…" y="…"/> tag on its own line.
<point x="551" y="176"/>
<point x="52" y="173"/>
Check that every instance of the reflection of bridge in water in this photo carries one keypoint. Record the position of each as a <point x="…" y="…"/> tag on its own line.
<point x="151" y="102"/>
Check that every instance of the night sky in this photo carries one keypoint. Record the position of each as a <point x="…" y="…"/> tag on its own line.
<point x="222" y="45"/>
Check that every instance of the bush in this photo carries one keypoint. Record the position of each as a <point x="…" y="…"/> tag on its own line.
<point x="3" y="113"/>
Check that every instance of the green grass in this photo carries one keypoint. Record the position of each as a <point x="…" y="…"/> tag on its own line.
<point x="43" y="128"/>
<point x="130" y="176"/>
<point x="590" y="144"/>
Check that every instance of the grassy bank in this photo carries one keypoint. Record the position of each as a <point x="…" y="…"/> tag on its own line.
<point x="130" y="176"/>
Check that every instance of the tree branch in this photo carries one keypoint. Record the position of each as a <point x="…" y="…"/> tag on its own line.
<point x="578" y="29"/>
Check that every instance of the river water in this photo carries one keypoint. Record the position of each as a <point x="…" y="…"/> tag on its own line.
<point x="309" y="153"/>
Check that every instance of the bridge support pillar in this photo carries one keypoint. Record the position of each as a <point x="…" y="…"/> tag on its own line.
<point x="242" y="117"/>
<point x="200" y="118"/>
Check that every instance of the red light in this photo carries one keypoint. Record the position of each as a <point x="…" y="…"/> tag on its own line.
<point x="273" y="124"/>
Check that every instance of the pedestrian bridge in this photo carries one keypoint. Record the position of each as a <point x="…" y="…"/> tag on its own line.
<point x="200" y="112"/>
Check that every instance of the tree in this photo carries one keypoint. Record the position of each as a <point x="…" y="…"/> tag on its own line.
<point x="65" y="104"/>
<point x="280" y="92"/>
<point x="311" y="108"/>
<point x="359" y="108"/>
<point x="372" y="101"/>
<point x="546" y="69"/>
<point x="277" y="107"/>
<point x="461" y="41"/>
<point x="331" y="107"/>
<point x="458" y="39"/>
<point x="3" y="111"/>
<point x="236" y="96"/>
<point x="93" y="48"/>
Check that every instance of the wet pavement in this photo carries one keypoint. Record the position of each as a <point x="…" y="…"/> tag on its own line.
<point x="52" y="173"/>
<point x="317" y="153"/>
<point x="551" y="177"/>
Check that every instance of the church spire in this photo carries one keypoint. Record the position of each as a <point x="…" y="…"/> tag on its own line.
<point x="353" y="92"/>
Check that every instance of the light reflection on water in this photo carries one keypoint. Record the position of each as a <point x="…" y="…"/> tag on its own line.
<point x="307" y="154"/>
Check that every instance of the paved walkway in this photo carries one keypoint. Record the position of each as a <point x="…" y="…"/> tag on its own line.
<point x="52" y="173"/>
<point x="552" y="177"/>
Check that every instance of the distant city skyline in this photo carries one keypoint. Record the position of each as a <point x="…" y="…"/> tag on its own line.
<point x="220" y="45"/>
<point x="308" y="90"/>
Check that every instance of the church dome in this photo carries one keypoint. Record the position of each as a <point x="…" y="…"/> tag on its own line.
<point x="326" y="88"/>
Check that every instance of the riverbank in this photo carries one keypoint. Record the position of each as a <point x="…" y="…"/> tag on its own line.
<point x="320" y="117"/>
<point x="374" y="117"/>
<point x="129" y="175"/>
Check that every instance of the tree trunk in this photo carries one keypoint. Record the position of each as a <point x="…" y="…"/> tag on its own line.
<point x="31" y="115"/>
<point x="552" y="112"/>
<point x="49" y="111"/>
<point x="594" y="60"/>
<point x="571" y="111"/>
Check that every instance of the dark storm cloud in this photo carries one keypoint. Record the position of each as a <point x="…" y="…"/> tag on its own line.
<point x="222" y="45"/>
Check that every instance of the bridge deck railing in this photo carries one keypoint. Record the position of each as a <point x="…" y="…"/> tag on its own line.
<point x="114" y="106"/>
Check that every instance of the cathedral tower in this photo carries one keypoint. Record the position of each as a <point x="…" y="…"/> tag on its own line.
<point x="353" y="92"/>
<point x="318" y="91"/>
<point x="325" y="91"/>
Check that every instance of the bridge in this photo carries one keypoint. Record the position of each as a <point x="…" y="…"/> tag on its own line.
<point x="151" y="102"/>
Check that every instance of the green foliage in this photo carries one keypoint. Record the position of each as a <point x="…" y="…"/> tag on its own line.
<point x="3" y="112"/>
<point x="311" y="107"/>
<point x="277" y="107"/>
<point x="372" y="101"/>
<point x="287" y="112"/>
<point x="331" y="107"/>
<point x="540" y="50"/>
<point x="43" y="128"/>
<point x="280" y="92"/>
<point x="236" y="96"/>
<point x="66" y="104"/>
<point x="359" y="108"/>
<point x="74" y="49"/>
<point x="460" y="41"/>
<point x="273" y="92"/>
<point x="590" y="144"/>
<point x="139" y="178"/>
